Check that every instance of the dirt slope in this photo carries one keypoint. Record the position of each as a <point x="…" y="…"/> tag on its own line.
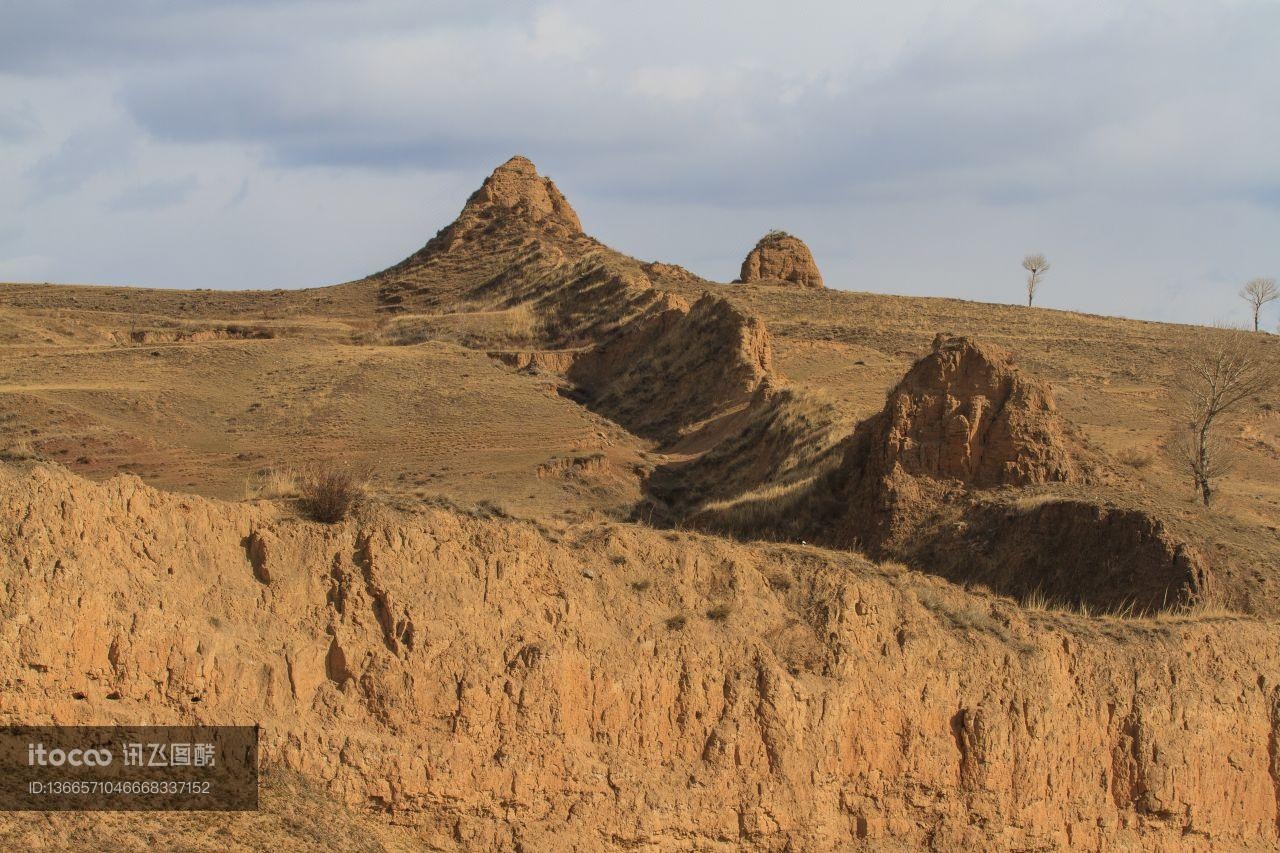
<point x="481" y="680"/>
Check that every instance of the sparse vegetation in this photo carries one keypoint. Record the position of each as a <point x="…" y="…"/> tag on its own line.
<point x="1036" y="266"/>
<point x="329" y="492"/>
<point x="779" y="582"/>
<point x="676" y="623"/>
<point x="516" y="326"/>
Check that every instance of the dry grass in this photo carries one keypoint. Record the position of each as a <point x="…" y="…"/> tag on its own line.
<point x="274" y="483"/>
<point x="1199" y="611"/>
<point x="1136" y="458"/>
<point x="1029" y="503"/>
<point x="969" y="613"/>
<point x="329" y="493"/>
<point x="760" y="513"/>
<point x="19" y="451"/>
<point x="517" y="326"/>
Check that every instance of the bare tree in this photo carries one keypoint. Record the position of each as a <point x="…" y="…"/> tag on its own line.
<point x="1257" y="293"/>
<point x="1220" y="371"/>
<point x="1036" y="266"/>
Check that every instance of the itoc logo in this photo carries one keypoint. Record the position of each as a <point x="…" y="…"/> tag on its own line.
<point x="38" y="756"/>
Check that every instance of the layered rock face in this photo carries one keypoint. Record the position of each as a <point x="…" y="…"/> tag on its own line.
<point x="781" y="258"/>
<point x="498" y="685"/>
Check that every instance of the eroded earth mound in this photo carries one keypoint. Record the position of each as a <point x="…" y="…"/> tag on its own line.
<point x="677" y="367"/>
<point x="962" y="418"/>
<point x="780" y="258"/>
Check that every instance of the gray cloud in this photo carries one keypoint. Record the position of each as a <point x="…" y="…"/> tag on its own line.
<point x="154" y="195"/>
<point x="78" y="159"/>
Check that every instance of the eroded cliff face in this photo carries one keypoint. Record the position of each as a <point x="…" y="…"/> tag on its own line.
<point x="501" y="685"/>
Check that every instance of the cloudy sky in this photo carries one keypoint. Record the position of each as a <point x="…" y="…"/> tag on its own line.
<point x="919" y="147"/>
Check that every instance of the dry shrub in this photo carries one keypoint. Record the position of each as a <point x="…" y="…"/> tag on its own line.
<point x="720" y="612"/>
<point x="1030" y="503"/>
<point x="329" y="492"/>
<point x="779" y="582"/>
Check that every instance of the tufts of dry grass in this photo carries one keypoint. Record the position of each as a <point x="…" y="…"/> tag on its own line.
<point x="1029" y="503"/>
<point x="1136" y="458"/>
<point x="967" y="614"/>
<point x="274" y="483"/>
<point x="19" y="451"/>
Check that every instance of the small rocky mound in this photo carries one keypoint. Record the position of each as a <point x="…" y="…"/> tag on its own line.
<point x="781" y="258"/>
<point x="665" y="274"/>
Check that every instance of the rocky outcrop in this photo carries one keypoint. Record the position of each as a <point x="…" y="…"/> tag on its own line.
<point x="500" y="685"/>
<point x="517" y="220"/>
<point x="780" y="258"/>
